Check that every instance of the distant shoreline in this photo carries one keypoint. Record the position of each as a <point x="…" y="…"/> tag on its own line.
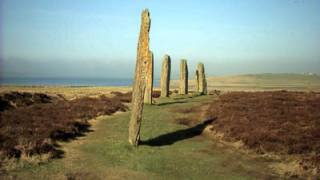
<point x="68" y="82"/>
<point x="246" y="82"/>
<point x="62" y="86"/>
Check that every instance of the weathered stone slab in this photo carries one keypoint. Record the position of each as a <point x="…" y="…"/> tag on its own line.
<point x="149" y="79"/>
<point x="165" y="76"/>
<point x="202" y="79"/>
<point x="183" y="88"/>
<point x="196" y="78"/>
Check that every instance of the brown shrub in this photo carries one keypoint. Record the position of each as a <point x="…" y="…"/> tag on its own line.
<point x="15" y="99"/>
<point x="156" y="94"/>
<point x="33" y="129"/>
<point x="279" y="122"/>
<point x="126" y="97"/>
<point x="123" y="97"/>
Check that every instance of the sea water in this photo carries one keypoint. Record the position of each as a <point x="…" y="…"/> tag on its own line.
<point x="69" y="81"/>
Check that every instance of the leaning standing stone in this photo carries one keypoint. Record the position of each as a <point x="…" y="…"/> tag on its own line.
<point x="165" y="76"/>
<point x="183" y="77"/>
<point x="139" y="84"/>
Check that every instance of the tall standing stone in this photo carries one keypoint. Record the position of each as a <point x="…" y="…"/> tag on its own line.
<point x="139" y="84"/>
<point x="165" y="76"/>
<point x="202" y="79"/>
<point x="149" y="80"/>
<point x="183" y="77"/>
<point x="197" y="81"/>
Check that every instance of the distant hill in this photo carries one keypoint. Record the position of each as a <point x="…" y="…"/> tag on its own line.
<point x="268" y="81"/>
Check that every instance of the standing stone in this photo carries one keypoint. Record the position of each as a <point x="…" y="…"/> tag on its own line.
<point x="197" y="81"/>
<point x="139" y="84"/>
<point x="202" y="79"/>
<point x="183" y="77"/>
<point x="149" y="80"/>
<point x="165" y="76"/>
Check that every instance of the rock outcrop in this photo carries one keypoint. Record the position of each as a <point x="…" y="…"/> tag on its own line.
<point x="139" y="84"/>
<point x="183" y="87"/>
<point x="165" y="76"/>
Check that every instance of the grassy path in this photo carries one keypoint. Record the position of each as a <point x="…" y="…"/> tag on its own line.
<point x="171" y="152"/>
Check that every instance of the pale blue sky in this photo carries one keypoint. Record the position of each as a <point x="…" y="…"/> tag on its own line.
<point x="98" y="38"/>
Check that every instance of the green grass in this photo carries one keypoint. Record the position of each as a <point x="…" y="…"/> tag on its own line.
<point x="106" y="154"/>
